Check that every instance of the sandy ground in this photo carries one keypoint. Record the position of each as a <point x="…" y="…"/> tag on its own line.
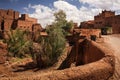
<point x="112" y="42"/>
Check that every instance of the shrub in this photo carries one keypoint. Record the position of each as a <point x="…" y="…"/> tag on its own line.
<point x="57" y="42"/>
<point x="49" y="48"/>
<point x="18" y="43"/>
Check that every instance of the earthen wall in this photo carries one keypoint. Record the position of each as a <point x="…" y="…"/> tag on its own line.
<point x="9" y="19"/>
<point x="26" y="17"/>
<point x="89" y="32"/>
<point x="36" y="27"/>
<point x="7" y="24"/>
<point x="105" y="19"/>
<point x="24" y="25"/>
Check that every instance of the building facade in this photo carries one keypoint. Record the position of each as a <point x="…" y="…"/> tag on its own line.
<point x="87" y="24"/>
<point x="105" y="19"/>
<point x="9" y="19"/>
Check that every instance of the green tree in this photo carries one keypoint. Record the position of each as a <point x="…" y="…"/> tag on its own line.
<point x="52" y="46"/>
<point x="57" y="42"/>
<point x="69" y="25"/>
<point x="60" y="17"/>
<point x="60" y="21"/>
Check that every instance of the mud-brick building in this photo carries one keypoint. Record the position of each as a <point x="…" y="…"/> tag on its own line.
<point x="27" y="23"/>
<point x="106" y="19"/>
<point x="10" y="19"/>
<point x="7" y="17"/>
<point x="103" y="19"/>
<point x="115" y="24"/>
<point x="87" y="24"/>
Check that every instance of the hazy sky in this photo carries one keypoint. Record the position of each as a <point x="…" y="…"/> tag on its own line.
<point x="76" y="10"/>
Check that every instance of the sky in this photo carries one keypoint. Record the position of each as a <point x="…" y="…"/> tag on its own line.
<point x="76" y="10"/>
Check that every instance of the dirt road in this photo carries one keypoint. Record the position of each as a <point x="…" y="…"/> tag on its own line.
<point x="113" y="42"/>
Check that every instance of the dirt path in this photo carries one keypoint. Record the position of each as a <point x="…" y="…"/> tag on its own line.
<point x="113" y="42"/>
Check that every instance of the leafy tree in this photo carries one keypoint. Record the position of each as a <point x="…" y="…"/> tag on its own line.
<point x="60" y="17"/>
<point x="52" y="46"/>
<point x="60" y="21"/>
<point x="67" y="28"/>
<point x="57" y="42"/>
